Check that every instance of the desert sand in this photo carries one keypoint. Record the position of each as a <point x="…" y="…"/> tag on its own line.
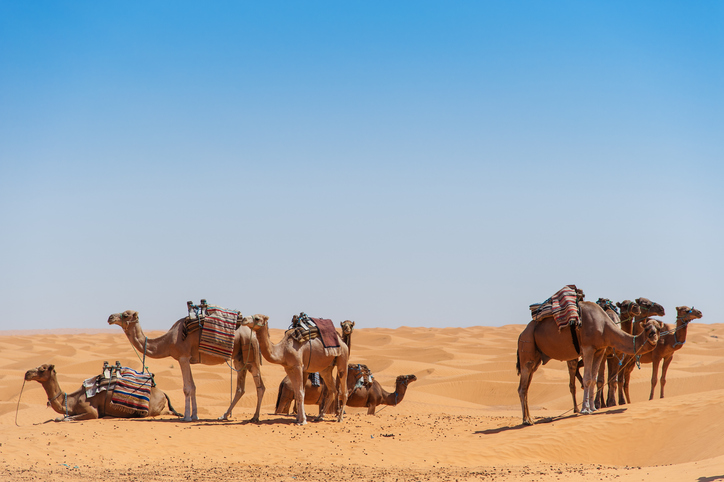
<point x="460" y="421"/>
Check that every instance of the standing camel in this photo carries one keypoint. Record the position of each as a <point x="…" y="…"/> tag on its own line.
<point x="542" y="340"/>
<point x="312" y="394"/>
<point x="186" y="351"/>
<point x="301" y="359"/>
<point x="672" y="338"/>
<point x="78" y="406"/>
<point x="648" y="309"/>
<point x="613" y="360"/>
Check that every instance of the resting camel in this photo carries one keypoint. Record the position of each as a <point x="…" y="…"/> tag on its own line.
<point x="541" y="340"/>
<point x="77" y="406"/>
<point x="301" y="359"/>
<point x="186" y="352"/>
<point x="629" y="362"/>
<point x="312" y="394"/>
<point x="369" y="394"/>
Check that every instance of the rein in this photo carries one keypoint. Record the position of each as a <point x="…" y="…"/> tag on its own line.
<point x="18" y="407"/>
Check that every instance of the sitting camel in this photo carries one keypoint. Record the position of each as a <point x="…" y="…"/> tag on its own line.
<point x="312" y="392"/>
<point x="186" y="352"/>
<point x="364" y="391"/>
<point x="542" y="340"/>
<point x="301" y="359"/>
<point x="634" y="326"/>
<point x="78" y="406"/>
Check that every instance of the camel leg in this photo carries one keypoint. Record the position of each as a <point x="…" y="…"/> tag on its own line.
<point x="599" y="384"/>
<point x="627" y="379"/>
<point x="297" y="378"/>
<point x="572" y="371"/>
<point x="240" y="389"/>
<point x="529" y="360"/>
<point x="342" y="392"/>
<point x="664" y="369"/>
<point x="612" y="365"/>
<point x="654" y="375"/>
<point x="260" y="389"/>
<point x="329" y="392"/>
<point x="371" y="409"/>
<point x="591" y="363"/>
<point x="190" y="410"/>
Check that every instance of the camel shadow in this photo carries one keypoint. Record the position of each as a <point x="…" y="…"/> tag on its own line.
<point x="710" y="479"/>
<point x="542" y="420"/>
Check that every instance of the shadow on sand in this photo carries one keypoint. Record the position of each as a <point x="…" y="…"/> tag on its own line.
<point x="540" y="420"/>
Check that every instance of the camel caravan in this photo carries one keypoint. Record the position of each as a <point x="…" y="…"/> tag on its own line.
<point x="316" y="359"/>
<point x="582" y="333"/>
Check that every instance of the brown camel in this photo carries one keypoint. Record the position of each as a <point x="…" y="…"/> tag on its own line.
<point x="610" y="359"/>
<point x="364" y="391"/>
<point x="186" y="351"/>
<point x="672" y="338"/>
<point x="541" y="341"/>
<point x="629" y="362"/>
<point x="312" y="393"/>
<point x="301" y="359"/>
<point x="77" y="406"/>
<point x="372" y="395"/>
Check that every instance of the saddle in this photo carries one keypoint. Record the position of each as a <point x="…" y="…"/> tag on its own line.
<point x="562" y="306"/>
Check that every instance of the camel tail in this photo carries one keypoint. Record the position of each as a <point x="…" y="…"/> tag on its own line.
<point x="517" y="361"/>
<point x="170" y="407"/>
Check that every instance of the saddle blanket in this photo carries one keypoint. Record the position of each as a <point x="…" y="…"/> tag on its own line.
<point x="217" y="334"/>
<point x="329" y="336"/>
<point x="132" y="391"/>
<point x="562" y="306"/>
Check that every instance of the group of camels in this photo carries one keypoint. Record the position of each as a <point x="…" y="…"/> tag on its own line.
<point x="251" y="342"/>
<point x="623" y="340"/>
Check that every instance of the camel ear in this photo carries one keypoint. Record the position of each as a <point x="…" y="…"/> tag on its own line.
<point x="51" y="367"/>
<point x="132" y="315"/>
<point x="352" y="324"/>
<point x="618" y="303"/>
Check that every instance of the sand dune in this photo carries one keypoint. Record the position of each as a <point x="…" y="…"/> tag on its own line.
<point x="459" y="421"/>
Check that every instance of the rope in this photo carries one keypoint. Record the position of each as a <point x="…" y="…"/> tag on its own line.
<point x="18" y="407"/>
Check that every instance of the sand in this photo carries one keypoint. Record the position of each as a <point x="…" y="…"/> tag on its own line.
<point x="460" y="421"/>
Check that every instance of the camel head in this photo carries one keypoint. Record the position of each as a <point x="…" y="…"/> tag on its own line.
<point x="41" y="374"/>
<point x="123" y="319"/>
<point x="628" y="308"/>
<point x="255" y="321"/>
<point x="651" y="329"/>
<point x="605" y="303"/>
<point x="405" y="379"/>
<point x="686" y="314"/>
<point x="649" y="308"/>
<point x="347" y="327"/>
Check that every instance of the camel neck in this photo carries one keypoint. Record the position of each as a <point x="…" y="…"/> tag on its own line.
<point x="624" y="342"/>
<point x="151" y="347"/>
<point x="57" y="398"/>
<point x="269" y="351"/>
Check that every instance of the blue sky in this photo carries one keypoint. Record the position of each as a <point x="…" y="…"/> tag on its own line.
<point x="393" y="163"/>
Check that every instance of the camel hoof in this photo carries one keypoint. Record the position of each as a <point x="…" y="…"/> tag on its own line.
<point x="300" y="423"/>
<point x="527" y="422"/>
<point x="224" y="418"/>
<point x="254" y="420"/>
<point x="586" y="411"/>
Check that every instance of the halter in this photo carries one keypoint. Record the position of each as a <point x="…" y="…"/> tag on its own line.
<point x="51" y="400"/>
<point x="683" y="325"/>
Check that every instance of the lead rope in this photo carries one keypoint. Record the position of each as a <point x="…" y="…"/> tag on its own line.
<point x="18" y="407"/>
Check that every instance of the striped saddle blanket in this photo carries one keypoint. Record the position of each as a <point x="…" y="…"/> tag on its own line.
<point x="562" y="306"/>
<point x="132" y="391"/>
<point x="217" y="334"/>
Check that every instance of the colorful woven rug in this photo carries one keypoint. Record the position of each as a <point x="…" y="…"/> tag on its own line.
<point x="132" y="391"/>
<point x="562" y="306"/>
<point x="217" y="334"/>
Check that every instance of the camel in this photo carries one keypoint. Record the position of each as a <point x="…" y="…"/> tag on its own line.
<point x="77" y="406"/>
<point x="186" y="351"/>
<point x="312" y="394"/>
<point x="300" y="359"/>
<point x="629" y="362"/>
<point x="541" y="341"/>
<point x="671" y="339"/>
<point x="370" y="394"/>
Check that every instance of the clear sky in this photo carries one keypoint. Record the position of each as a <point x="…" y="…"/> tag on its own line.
<point x="394" y="163"/>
